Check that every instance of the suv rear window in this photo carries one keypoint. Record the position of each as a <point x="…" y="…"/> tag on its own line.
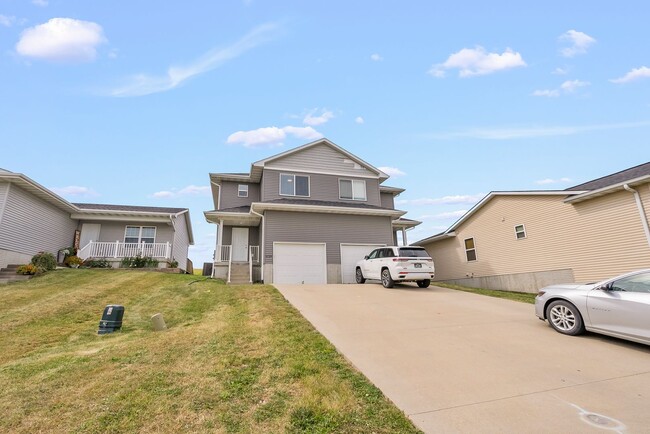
<point x="413" y="253"/>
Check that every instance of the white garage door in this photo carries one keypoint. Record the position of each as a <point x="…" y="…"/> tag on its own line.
<point x="350" y="255"/>
<point x="299" y="263"/>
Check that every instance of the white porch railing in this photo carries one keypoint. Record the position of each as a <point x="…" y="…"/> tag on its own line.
<point x="117" y="249"/>
<point x="223" y="254"/>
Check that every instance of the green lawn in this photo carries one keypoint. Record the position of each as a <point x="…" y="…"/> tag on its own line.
<point x="235" y="359"/>
<point x="523" y="297"/>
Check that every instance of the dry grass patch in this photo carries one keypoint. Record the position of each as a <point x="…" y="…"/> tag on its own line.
<point x="235" y="359"/>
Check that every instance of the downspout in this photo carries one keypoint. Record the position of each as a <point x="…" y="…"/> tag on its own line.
<point x="218" y="194"/>
<point x="262" y="247"/>
<point x="642" y="214"/>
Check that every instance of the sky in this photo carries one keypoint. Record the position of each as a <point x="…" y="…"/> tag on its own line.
<point x="135" y="103"/>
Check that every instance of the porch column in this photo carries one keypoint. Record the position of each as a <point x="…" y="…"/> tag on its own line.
<point x="404" y="240"/>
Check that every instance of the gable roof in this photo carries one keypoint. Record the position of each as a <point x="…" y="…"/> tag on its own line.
<point x="147" y="209"/>
<point x="37" y="190"/>
<point x="615" y="178"/>
<point x="257" y="167"/>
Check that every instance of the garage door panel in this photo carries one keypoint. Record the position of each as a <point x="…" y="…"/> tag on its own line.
<point x="350" y="255"/>
<point x="299" y="263"/>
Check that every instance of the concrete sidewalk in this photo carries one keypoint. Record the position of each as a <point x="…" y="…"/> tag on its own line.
<point x="461" y="363"/>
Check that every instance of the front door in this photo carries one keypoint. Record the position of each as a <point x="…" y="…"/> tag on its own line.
<point x="240" y="244"/>
<point x="89" y="232"/>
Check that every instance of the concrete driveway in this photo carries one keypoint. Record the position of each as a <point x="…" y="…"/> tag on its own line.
<point x="459" y="362"/>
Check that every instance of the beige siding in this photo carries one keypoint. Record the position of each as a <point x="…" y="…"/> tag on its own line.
<point x="114" y="231"/>
<point x="181" y="242"/>
<point x="387" y="200"/>
<point x="597" y="238"/>
<point x="229" y="198"/>
<point x="321" y="187"/>
<point x="319" y="158"/>
<point x="30" y="225"/>
<point x="332" y="229"/>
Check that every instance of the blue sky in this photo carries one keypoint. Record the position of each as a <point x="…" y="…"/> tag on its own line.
<point x="136" y="102"/>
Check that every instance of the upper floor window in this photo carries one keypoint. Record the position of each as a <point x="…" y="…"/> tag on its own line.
<point x="520" y="231"/>
<point x="352" y="189"/>
<point x="140" y="234"/>
<point x="242" y="190"/>
<point x="470" y="250"/>
<point x="294" y="185"/>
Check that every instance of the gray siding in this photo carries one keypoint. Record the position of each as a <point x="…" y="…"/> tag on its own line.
<point x="229" y="198"/>
<point x="321" y="187"/>
<point x="181" y="241"/>
<point x="4" y="189"/>
<point x="387" y="200"/>
<point x="114" y="231"/>
<point x="332" y="229"/>
<point x="30" y="225"/>
<point x="320" y="158"/>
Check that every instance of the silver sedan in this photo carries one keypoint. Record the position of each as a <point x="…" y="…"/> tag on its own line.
<point x="618" y="307"/>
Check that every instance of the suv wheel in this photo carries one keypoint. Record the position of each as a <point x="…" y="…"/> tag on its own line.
<point x="386" y="280"/>
<point x="424" y="283"/>
<point x="359" y="276"/>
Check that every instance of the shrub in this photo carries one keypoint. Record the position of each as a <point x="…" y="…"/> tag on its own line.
<point x="44" y="260"/>
<point x="139" y="262"/>
<point x="173" y="263"/>
<point x="73" y="261"/>
<point x="97" y="263"/>
<point x="28" y="269"/>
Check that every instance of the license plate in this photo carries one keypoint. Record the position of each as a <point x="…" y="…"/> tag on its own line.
<point x="417" y="265"/>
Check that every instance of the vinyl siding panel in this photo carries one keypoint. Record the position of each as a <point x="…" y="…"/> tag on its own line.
<point x="114" y="231"/>
<point x="332" y="229"/>
<point x="321" y="158"/>
<point x="387" y="200"/>
<point x="181" y="241"/>
<point x="597" y="238"/>
<point x="30" y="225"/>
<point x="321" y="187"/>
<point x="4" y="189"/>
<point x="229" y="198"/>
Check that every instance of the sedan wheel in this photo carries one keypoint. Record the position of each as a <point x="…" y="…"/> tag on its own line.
<point x="565" y="318"/>
<point x="386" y="280"/>
<point x="359" y="276"/>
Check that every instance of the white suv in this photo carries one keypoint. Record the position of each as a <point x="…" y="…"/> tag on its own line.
<point x="396" y="264"/>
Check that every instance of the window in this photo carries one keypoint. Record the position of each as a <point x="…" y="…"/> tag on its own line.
<point x="140" y="234"/>
<point x="242" y="190"/>
<point x="470" y="250"/>
<point x="352" y="189"/>
<point x="294" y="185"/>
<point x="413" y="252"/>
<point x="374" y="254"/>
<point x="520" y="231"/>
<point x="636" y="283"/>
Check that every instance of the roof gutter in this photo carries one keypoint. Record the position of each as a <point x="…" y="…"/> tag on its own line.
<point x="642" y="214"/>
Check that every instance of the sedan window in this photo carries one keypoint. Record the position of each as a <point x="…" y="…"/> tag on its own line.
<point x="636" y="283"/>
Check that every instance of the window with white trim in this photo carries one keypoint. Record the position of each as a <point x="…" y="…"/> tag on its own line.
<point x="294" y="185"/>
<point x="520" y="232"/>
<point x="352" y="189"/>
<point x="242" y="190"/>
<point x="470" y="249"/>
<point x="140" y="234"/>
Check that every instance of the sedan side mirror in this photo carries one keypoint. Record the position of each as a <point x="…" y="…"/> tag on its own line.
<point x="606" y="287"/>
<point x="365" y="257"/>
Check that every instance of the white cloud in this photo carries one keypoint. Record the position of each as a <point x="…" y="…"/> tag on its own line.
<point x="551" y="93"/>
<point x="62" y="40"/>
<point x="579" y="43"/>
<point x="477" y="61"/>
<point x="271" y="136"/>
<point x="443" y="215"/>
<point x="560" y="71"/>
<point x="391" y="171"/>
<point x="532" y="132"/>
<point x="376" y="57"/>
<point x="190" y="190"/>
<point x="548" y="181"/>
<point x="7" y="21"/>
<point x="41" y="3"/>
<point x="445" y="200"/>
<point x="74" y="190"/>
<point x="312" y="120"/>
<point x="359" y="120"/>
<point x="634" y="74"/>
<point x="143" y="84"/>
<point x="568" y="86"/>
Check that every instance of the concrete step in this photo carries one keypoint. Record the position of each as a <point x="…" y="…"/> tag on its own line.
<point x="14" y="278"/>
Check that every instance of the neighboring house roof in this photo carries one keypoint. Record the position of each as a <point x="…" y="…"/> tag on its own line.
<point x="148" y="209"/>
<point x="257" y="167"/>
<point x="395" y="190"/>
<point x="37" y="190"/>
<point x="615" y="178"/>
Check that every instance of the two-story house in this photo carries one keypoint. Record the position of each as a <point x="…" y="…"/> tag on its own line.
<point x="306" y="215"/>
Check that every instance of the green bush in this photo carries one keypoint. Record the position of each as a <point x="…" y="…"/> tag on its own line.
<point x="139" y="262"/>
<point x="97" y="263"/>
<point x="44" y="260"/>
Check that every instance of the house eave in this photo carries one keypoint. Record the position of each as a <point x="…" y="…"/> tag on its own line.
<point x="38" y="190"/>
<point x="434" y="238"/>
<point x="262" y="206"/>
<point x="581" y="196"/>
